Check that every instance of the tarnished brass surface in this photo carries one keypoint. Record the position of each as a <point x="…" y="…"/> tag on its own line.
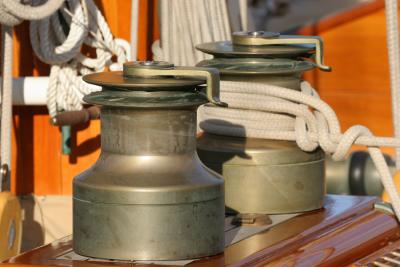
<point x="148" y="197"/>
<point x="228" y="49"/>
<point x="265" y="176"/>
<point x="262" y="38"/>
<point x="251" y="66"/>
<point x="150" y="75"/>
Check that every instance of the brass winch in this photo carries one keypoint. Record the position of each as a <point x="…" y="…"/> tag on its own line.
<point x="265" y="176"/>
<point x="148" y="196"/>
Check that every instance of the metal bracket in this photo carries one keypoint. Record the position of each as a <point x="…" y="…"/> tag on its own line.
<point x="274" y="38"/>
<point x="158" y="68"/>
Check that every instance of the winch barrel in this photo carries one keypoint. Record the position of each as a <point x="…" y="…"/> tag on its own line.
<point x="263" y="176"/>
<point x="148" y="196"/>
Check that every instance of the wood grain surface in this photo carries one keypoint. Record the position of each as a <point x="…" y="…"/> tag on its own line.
<point x="346" y="230"/>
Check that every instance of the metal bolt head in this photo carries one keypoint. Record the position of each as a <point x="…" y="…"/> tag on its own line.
<point x="149" y="64"/>
<point x="257" y="34"/>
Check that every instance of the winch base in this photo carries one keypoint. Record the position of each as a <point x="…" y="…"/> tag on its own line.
<point x="148" y="232"/>
<point x="265" y="176"/>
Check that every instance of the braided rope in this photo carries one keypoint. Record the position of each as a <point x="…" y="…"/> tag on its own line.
<point x="392" y="33"/>
<point x="6" y="103"/>
<point x="184" y="24"/>
<point x="63" y="50"/>
<point x="12" y="12"/>
<point x="273" y="112"/>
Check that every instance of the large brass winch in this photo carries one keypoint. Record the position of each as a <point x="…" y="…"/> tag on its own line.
<point x="148" y="196"/>
<point x="265" y="176"/>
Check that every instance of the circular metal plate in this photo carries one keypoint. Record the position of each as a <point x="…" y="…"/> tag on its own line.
<point x="167" y="99"/>
<point x="116" y="79"/>
<point x="257" y="34"/>
<point x="227" y="49"/>
<point x="248" y="66"/>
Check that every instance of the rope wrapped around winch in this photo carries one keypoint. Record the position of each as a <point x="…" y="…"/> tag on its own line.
<point x="273" y="112"/>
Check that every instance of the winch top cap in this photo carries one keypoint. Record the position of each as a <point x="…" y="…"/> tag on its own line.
<point x="133" y="78"/>
<point x="154" y="77"/>
<point x="269" y="45"/>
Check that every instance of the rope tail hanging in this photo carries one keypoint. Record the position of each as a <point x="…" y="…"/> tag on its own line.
<point x="392" y="35"/>
<point x="6" y="107"/>
<point x="12" y="13"/>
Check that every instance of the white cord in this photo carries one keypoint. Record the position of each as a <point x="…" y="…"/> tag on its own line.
<point x="273" y="112"/>
<point x="53" y="46"/>
<point x="6" y="101"/>
<point x="134" y="27"/>
<point x="85" y="24"/>
<point x="243" y="14"/>
<point x="392" y="33"/>
<point x="185" y="24"/>
<point x="12" y="12"/>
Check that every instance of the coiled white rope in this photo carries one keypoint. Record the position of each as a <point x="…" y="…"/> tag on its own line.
<point x="186" y="23"/>
<point x="61" y="48"/>
<point x="273" y="112"/>
<point x="58" y="30"/>
<point x="392" y="35"/>
<point x="12" y="12"/>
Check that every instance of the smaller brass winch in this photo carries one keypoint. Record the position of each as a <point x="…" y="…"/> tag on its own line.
<point x="265" y="176"/>
<point x="148" y="196"/>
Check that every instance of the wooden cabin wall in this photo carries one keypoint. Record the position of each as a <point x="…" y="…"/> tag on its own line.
<point x="358" y="88"/>
<point x="38" y="164"/>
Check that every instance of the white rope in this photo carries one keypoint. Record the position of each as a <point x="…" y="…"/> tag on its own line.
<point x="6" y="101"/>
<point x="187" y="23"/>
<point x="12" y="12"/>
<point x="57" y="39"/>
<point x="243" y="14"/>
<point x="273" y="112"/>
<point x="134" y="28"/>
<point x="392" y="33"/>
<point x="86" y="25"/>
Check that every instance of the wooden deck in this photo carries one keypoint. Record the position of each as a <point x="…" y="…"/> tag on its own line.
<point x="347" y="229"/>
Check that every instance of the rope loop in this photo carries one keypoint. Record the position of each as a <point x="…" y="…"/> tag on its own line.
<point x="303" y="118"/>
<point x="58" y="40"/>
<point x="12" y="12"/>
